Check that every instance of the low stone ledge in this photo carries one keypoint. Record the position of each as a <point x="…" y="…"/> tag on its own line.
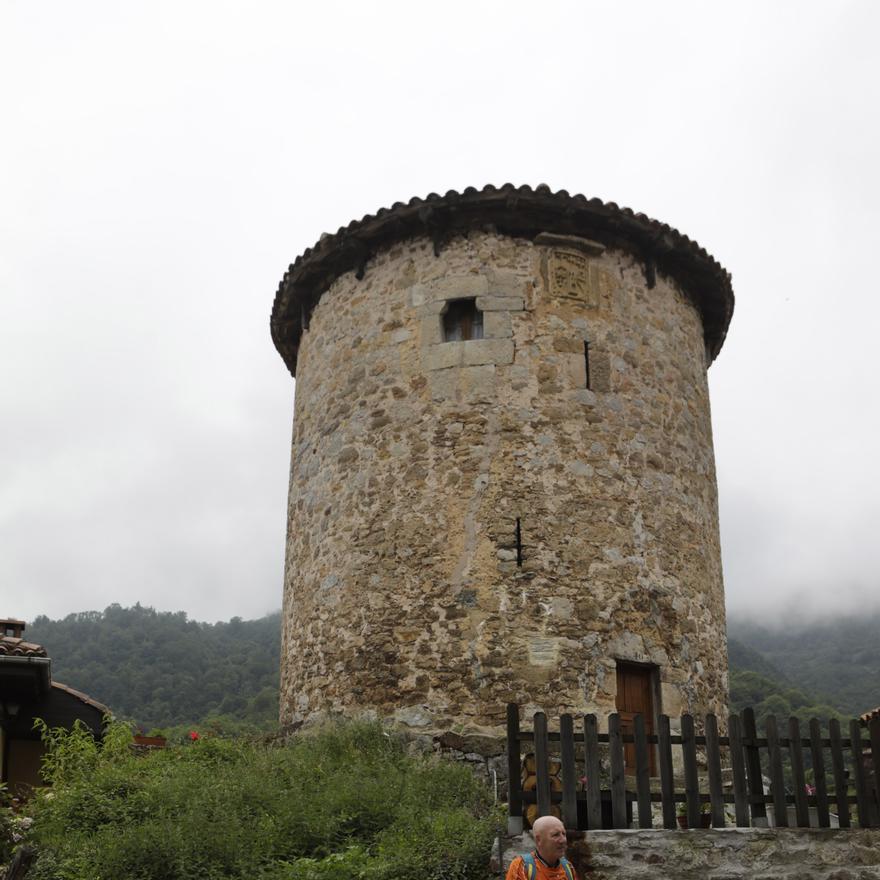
<point x="719" y="854"/>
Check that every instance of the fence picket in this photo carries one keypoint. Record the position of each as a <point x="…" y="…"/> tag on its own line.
<point x="818" y="759"/>
<point x="691" y="778"/>
<point x="643" y="774"/>
<point x="874" y="732"/>
<point x="542" y="763"/>
<point x="514" y="764"/>
<point x="863" y="803"/>
<point x="753" y="768"/>
<point x="591" y="768"/>
<point x="618" y="783"/>
<point x="713" y="757"/>
<point x="801" y="807"/>
<point x="569" y="773"/>
<point x="737" y="764"/>
<point x="777" y="780"/>
<point x="839" y="767"/>
<point x="667" y="779"/>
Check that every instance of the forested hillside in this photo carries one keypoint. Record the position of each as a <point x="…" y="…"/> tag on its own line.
<point x="836" y="658"/>
<point x="161" y="669"/>
<point x="756" y="683"/>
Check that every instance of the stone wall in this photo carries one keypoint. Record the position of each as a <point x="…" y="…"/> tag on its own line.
<point x="732" y="854"/>
<point x="413" y="459"/>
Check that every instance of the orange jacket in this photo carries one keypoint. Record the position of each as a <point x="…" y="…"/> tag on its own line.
<point x="543" y="871"/>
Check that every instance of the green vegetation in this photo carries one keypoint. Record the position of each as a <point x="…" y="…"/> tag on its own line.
<point x="163" y="670"/>
<point x="756" y="682"/>
<point x="767" y="696"/>
<point x="837" y="658"/>
<point x="343" y="803"/>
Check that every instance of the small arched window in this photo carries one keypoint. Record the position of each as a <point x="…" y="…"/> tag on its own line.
<point x="462" y="321"/>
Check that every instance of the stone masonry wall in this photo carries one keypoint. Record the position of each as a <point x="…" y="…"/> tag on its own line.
<point x="732" y="854"/>
<point x="413" y="458"/>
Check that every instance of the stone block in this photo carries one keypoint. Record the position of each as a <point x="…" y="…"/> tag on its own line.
<point x="497" y="325"/>
<point x="433" y="307"/>
<point x="477" y="383"/>
<point x="576" y="370"/>
<point x="570" y="344"/>
<point x="600" y="371"/>
<point x="443" y="384"/>
<point x="417" y="296"/>
<point x="506" y="284"/>
<point x="585" y="397"/>
<point x="442" y="356"/>
<point x="543" y="651"/>
<point x="458" y="287"/>
<point x="486" y="351"/>
<point x="500" y="303"/>
<point x="431" y="330"/>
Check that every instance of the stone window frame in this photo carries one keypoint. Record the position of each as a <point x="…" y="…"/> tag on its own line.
<point x="497" y="299"/>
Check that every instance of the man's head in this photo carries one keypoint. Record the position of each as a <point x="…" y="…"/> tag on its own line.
<point x="549" y="838"/>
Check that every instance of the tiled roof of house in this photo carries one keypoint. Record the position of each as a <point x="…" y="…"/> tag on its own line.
<point x="515" y="211"/>
<point x="12" y="647"/>
<point x="85" y="698"/>
<point x="869" y="716"/>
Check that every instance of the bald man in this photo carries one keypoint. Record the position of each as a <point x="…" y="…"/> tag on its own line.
<point x="547" y="861"/>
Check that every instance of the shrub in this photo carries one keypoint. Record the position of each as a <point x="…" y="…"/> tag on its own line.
<point x="346" y="801"/>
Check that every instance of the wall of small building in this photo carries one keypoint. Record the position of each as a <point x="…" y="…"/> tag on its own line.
<point x="23" y="767"/>
<point x="22" y="748"/>
<point x="469" y="523"/>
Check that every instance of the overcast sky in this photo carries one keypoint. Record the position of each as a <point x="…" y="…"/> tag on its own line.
<point x="161" y="163"/>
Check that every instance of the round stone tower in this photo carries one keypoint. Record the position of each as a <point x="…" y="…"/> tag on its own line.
<point x="502" y="482"/>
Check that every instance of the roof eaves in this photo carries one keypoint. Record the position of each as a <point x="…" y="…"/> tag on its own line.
<point x="516" y="211"/>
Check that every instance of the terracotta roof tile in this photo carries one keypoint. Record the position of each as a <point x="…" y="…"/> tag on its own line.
<point x="12" y="647"/>
<point x="869" y="716"/>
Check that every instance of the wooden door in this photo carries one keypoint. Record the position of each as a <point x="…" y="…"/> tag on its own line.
<point x="635" y="689"/>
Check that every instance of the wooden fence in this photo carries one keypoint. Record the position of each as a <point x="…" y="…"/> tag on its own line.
<point x="569" y="767"/>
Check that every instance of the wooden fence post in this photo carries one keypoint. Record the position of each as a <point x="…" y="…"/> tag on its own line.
<point x="753" y="769"/>
<point x="862" y="797"/>
<point x="643" y="773"/>
<point x="777" y="779"/>
<point x="738" y="766"/>
<point x="591" y="769"/>
<point x="514" y="766"/>
<point x="542" y="763"/>
<point x="818" y="759"/>
<point x="713" y="757"/>
<point x="841" y="794"/>
<point x="801" y="807"/>
<point x="667" y="779"/>
<point x="874" y="731"/>
<point x="691" y="778"/>
<point x="618" y="783"/>
<point x="569" y="773"/>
